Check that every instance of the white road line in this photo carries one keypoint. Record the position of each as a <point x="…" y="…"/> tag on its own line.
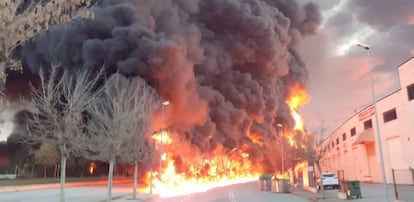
<point x="231" y="196"/>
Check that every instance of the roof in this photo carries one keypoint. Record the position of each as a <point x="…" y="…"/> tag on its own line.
<point x="405" y="61"/>
<point x="365" y="137"/>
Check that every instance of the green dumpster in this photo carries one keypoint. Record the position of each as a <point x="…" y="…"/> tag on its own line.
<point x="354" y="190"/>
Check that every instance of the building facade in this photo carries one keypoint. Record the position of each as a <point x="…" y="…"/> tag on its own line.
<point x="353" y="146"/>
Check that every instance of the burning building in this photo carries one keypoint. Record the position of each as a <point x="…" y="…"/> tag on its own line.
<point x="230" y="69"/>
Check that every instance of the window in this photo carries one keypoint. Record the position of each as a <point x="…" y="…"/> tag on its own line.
<point x="328" y="175"/>
<point x="344" y="136"/>
<point x="410" y="92"/>
<point x="389" y="115"/>
<point x="368" y="124"/>
<point x="333" y="145"/>
<point x="337" y="140"/>
<point x="353" y="131"/>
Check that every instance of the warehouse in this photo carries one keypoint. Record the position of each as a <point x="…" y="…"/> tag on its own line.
<point x="354" y="147"/>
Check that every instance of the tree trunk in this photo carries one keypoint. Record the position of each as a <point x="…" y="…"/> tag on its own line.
<point x="32" y="171"/>
<point x="44" y="171"/>
<point x="62" y="177"/>
<point x="16" y="169"/>
<point x="110" y="174"/>
<point x="55" y="172"/>
<point x="58" y="170"/>
<point x="134" y="192"/>
<point x="320" y="179"/>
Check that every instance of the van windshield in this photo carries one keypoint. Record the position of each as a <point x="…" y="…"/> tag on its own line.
<point x="328" y="175"/>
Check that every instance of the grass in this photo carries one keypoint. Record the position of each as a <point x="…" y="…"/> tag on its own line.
<point x="32" y="181"/>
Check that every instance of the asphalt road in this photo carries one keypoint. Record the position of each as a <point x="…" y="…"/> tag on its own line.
<point x="246" y="192"/>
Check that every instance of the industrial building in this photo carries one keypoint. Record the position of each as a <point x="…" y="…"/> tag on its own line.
<point x="354" y="147"/>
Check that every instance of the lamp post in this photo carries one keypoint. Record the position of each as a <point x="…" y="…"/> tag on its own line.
<point x="151" y="177"/>
<point x="374" y="102"/>
<point x="280" y="128"/>
<point x="165" y="103"/>
<point x="151" y="164"/>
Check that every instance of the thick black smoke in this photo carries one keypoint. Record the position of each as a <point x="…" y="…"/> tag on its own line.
<point x="225" y="65"/>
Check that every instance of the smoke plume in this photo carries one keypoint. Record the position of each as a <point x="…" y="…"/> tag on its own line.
<point x="224" y="65"/>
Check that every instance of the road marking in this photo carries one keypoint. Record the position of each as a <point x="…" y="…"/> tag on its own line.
<point x="231" y="196"/>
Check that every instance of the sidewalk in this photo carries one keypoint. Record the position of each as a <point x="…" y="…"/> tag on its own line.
<point x="76" y="191"/>
<point x="370" y="193"/>
<point x="330" y="195"/>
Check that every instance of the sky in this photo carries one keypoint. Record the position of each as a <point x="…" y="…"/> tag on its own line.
<point x="338" y="71"/>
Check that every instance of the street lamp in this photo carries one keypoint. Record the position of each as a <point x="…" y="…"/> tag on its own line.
<point x="280" y="130"/>
<point x="165" y="103"/>
<point x="374" y="102"/>
<point x="151" y="176"/>
<point x="151" y="142"/>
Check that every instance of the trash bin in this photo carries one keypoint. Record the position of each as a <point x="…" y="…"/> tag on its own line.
<point x="265" y="182"/>
<point x="281" y="185"/>
<point x="354" y="190"/>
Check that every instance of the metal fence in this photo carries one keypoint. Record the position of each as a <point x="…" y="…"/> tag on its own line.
<point x="403" y="181"/>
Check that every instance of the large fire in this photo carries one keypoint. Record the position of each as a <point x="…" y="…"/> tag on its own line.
<point x="209" y="172"/>
<point x="198" y="172"/>
<point x="297" y="98"/>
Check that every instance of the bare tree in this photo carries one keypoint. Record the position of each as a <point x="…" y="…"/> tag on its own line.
<point x="23" y="20"/>
<point x="57" y="106"/>
<point x="139" y="149"/>
<point x="142" y="103"/>
<point x="46" y="155"/>
<point x="117" y="123"/>
<point x="314" y="152"/>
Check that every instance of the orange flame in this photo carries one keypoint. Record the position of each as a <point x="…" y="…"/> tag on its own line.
<point x="255" y="138"/>
<point x="221" y="170"/>
<point x="91" y="168"/>
<point x="291" y="140"/>
<point x="162" y="137"/>
<point x="297" y="98"/>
